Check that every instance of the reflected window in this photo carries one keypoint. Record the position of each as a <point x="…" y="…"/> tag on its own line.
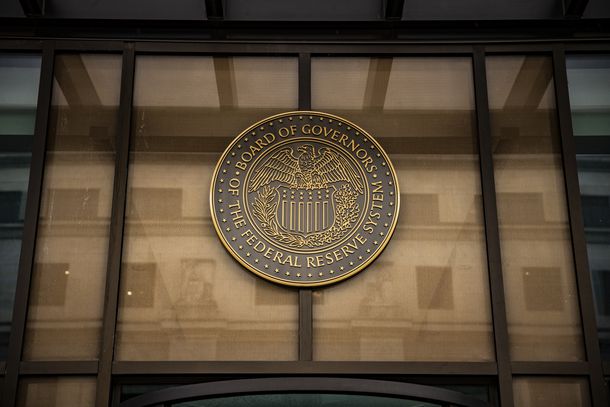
<point x="542" y="287"/>
<point x="19" y="76"/>
<point x="434" y="287"/>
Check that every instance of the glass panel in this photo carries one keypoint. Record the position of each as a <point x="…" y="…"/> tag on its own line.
<point x="67" y="289"/>
<point x="19" y="76"/>
<point x="183" y="297"/>
<point x="551" y="391"/>
<point x="56" y="392"/>
<point x="541" y="296"/>
<point x="426" y="297"/>
<point x="305" y="400"/>
<point x="589" y="85"/>
<point x="594" y="178"/>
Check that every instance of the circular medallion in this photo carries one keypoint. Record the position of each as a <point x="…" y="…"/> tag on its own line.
<point x="304" y="198"/>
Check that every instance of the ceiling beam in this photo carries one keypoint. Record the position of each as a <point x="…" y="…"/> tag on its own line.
<point x="575" y="8"/>
<point x="33" y="8"/>
<point x="214" y="9"/>
<point x="393" y="9"/>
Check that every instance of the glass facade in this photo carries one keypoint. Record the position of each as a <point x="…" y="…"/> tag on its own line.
<point x="426" y="298"/>
<point x="589" y="86"/>
<point x="69" y="274"/>
<point x="478" y="143"/>
<point x="182" y="296"/>
<point x="19" y="77"/>
<point x="537" y="262"/>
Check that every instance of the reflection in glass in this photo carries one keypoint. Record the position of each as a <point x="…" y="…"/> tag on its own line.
<point x="182" y="296"/>
<point x="426" y="297"/>
<point x="589" y="85"/>
<point x="19" y="76"/>
<point x="67" y="288"/>
<point x="594" y="179"/>
<point x="551" y="391"/>
<point x="537" y="263"/>
<point x="56" y="392"/>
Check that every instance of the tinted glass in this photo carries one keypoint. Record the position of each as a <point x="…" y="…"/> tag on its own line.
<point x="182" y="296"/>
<point x="594" y="178"/>
<point x="537" y="262"/>
<point x="589" y="85"/>
<point x="56" y="392"/>
<point x="67" y="288"/>
<point x="19" y="76"/>
<point x="426" y="297"/>
<point x="551" y="391"/>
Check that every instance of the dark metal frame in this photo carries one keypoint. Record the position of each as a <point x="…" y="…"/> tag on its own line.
<point x="446" y="398"/>
<point x="110" y="374"/>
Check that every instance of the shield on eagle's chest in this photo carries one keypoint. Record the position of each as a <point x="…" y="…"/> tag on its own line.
<point x="306" y="211"/>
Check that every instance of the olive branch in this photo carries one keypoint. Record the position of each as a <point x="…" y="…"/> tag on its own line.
<point x="347" y="212"/>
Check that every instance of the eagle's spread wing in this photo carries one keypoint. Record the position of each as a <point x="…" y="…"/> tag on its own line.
<point x="281" y="166"/>
<point x="334" y="167"/>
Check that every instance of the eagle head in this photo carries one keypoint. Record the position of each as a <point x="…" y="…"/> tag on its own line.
<point x="306" y="149"/>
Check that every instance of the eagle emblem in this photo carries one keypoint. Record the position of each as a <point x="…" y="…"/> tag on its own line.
<point x="306" y="200"/>
<point x="310" y="170"/>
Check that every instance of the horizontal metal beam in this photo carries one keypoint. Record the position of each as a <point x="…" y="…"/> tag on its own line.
<point x="58" y="368"/>
<point x="550" y="368"/>
<point x="305" y="367"/>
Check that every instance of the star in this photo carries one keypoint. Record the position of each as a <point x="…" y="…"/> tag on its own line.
<point x="374" y="175"/>
<point x="359" y="257"/>
<point x="248" y="254"/>
<point x="266" y="266"/>
<point x="380" y="233"/>
<point x="341" y="268"/>
<point x="332" y="272"/>
<point x="220" y="201"/>
<point x="228" y="229"/>
<point x="222" y="180"/>
<point x="320" y="274"/>
<point x="298" y="274"/>
<point x="351" y="263"/>
<point x="224" y="171"/>
<point x="385" y="224"/>
<point x="375" y="242"/>
<point x="240" y="247"/>
<point x="309" y="275"/>
<point x="256" y="260"/>
<point x="228" y="162"/>
<point x="287" y="273"/>
<point x="277" y="270"/>
<point x="221" y="210"/>
<point x="224" y="220"/>
<point x="368" y="250"/>
<point x="233" y="239"/>
<point x="220" y="190"/>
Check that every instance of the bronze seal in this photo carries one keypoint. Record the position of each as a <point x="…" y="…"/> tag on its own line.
<point x="304" y="198"/>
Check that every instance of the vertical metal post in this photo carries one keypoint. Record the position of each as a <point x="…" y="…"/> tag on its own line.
<point x="585" y="291"/>
<point x="30" y="226"/>
<point x="490" y="211"/>
<point x="305" y="295"/>
<point x="117" y="221"/>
